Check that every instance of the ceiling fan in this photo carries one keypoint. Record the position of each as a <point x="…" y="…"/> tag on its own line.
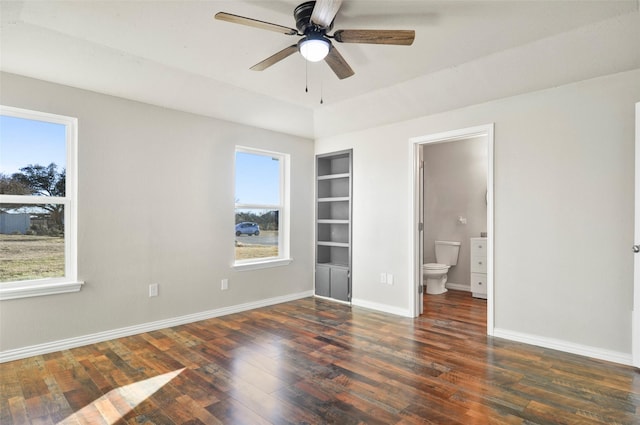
<point x="314" y="19"/>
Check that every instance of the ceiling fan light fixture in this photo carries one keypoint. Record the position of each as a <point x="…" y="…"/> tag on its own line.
<point x="314" y="49"/>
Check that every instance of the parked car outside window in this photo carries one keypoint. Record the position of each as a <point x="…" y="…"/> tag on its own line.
<point x="247" y="228"/>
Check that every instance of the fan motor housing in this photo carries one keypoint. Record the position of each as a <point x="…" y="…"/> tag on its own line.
<point x="302" y="15"/>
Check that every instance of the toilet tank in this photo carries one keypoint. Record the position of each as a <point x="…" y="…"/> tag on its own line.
<point x="447" y="252"/>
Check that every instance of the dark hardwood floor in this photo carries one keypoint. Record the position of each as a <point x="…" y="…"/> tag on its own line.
<point x="316" y="362"/>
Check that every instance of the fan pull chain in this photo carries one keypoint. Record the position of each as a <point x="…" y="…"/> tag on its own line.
<point x="306" y="76"/>
<point x="321" y="91"/>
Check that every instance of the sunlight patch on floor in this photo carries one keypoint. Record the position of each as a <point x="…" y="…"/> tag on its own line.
<point x="114" y="405"/>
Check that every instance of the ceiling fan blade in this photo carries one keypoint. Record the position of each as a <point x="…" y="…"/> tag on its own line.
<point x="397" y="37"/>
<point x="324" y="11"/>
<point x="223" y="16"/>
<point x="337" y="63"/>
<point x="273" y="59"/>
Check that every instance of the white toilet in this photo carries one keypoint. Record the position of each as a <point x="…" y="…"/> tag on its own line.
<point x="436" y="273"/>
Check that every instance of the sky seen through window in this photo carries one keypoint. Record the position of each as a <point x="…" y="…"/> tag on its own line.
<point x="24" y="142"/>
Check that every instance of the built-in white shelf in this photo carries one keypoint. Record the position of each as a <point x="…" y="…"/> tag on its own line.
<point x="328" y="243"/>
<point x="334" y="199"/>
<point x="333" y="225"/>
<point x="334" y="176"/>
<point x="335" y="264"/>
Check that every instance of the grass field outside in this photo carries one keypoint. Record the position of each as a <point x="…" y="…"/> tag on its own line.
<point x="249" y="247"/>
<point x="255" y="251"/>
<point x="24" y="257"/>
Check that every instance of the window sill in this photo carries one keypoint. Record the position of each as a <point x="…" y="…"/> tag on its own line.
<point x="254" y="265"/>
<point x="37" y="288"/>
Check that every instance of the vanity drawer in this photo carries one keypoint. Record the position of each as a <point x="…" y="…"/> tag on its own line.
<point x="478" y="264"/>
<point x="479" y="246"/>
<point x="478" y="284"/>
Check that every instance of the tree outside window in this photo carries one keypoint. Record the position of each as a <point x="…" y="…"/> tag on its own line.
<point x="37" y="202"/>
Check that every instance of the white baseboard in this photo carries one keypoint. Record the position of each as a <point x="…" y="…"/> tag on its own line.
<point x="381" y="307"/>
<point x="65" y="344"/>
<point x="568" y="347"/>
<point x="635" y="338"/>
<point x="458" y="286"/>
<point x="333" y="300"/>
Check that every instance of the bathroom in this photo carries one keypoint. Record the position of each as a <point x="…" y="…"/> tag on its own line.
<point x="455" y="209"/>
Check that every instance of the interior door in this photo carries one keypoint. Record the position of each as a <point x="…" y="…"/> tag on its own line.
<point x="636" y="248"/>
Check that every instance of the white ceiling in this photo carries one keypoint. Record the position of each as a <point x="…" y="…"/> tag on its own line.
<point x="174" y="54"/>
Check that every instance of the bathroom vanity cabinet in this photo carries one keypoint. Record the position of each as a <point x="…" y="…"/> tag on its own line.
<point x="333" y="225"/>
<point x="479" y="267"/>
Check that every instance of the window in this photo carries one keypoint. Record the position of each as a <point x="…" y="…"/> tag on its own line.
<point x="261" y="209"/>
<point x="37" y="204"/>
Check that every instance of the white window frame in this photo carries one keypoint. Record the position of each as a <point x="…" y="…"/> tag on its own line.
<point x="70" y="282"/>
<point x="283" y="207"/>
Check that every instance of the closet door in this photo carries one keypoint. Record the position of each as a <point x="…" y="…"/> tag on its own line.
<point x="340" y="288"/>
<point x="323" y="280"/>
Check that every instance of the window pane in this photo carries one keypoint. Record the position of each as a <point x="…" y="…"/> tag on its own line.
<point x="33" y="157"/>
<point x="257" y="233"/>
<point x="31" y="242"/>
<point x="257" y="179"/>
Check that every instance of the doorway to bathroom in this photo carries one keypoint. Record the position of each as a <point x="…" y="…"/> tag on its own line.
<point x="453" y="202"/>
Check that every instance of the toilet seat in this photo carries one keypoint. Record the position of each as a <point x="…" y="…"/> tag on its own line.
<point x="435" y="266"/>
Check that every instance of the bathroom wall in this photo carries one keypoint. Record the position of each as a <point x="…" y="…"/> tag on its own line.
<point x="455" y="183"/>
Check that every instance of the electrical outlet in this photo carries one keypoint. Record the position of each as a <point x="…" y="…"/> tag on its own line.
<point x="153" y="290"/>
<point x="383" y="278"/>
<point x="224" y="284"/>
<point x="389" y="279"/>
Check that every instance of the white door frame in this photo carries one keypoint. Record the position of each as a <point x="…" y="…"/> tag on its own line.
<point x="414" y="145"/>
<point x="635" y="325"/>
<point x="420" y="253"/>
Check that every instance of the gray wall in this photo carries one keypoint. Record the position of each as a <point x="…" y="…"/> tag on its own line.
<point x="564" y="190"/>
<point x="455" y="183"/>
<point x="140" y="167"/>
